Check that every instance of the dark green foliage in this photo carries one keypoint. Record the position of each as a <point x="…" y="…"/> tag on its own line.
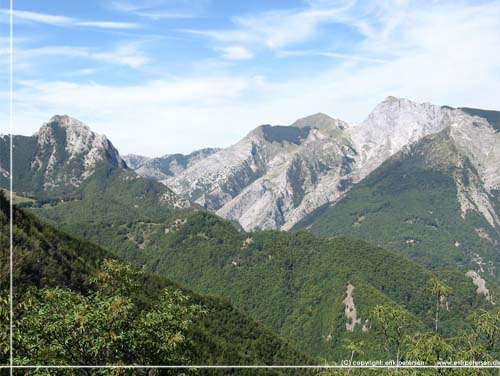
<point x="38" y="256"/>
<point x="295" y="283"/>
<point x="56" y="274"/>
<point x="24" y="153"/>
<point x="59" y="326"/>
<point x="112" y="204"/>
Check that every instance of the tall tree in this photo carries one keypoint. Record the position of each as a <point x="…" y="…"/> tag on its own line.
<point x="440" y="291"/>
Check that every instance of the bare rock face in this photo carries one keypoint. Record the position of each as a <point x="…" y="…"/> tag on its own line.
<point x="393" y="124"/>
<point x="480" y="283"/>
<point x="470" y="144"/>
<point x="166" y="166"/>
<point x="67" y="152"/>
<point x="277" y="175"/>
<point x="351" y="313"/>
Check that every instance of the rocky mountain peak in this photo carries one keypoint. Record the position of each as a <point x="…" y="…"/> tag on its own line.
<point x="68" y="151"/>
<point x="319" y="121"/>
<point x="277" y="174"/>
<point x="394" y="123"/>
<point x="59" y="124"/>
<point x="66" y="121"/>
<point x="395" y="111"/>
<point x="77" y="139"/>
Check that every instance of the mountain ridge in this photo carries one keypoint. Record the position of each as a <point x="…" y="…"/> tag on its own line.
<point x="433" y="201"/>
<point x="275" y="176"/>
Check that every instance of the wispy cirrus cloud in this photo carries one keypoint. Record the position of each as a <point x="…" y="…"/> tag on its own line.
<point x="109" y="24"/>
<point x="158" y="9"/>
<point x="280" y="28"/>
<point x="82" y="72"/>
<point x="331" y="54"/>
<point x="57" y="20"/>
<point x="126" y="54"/>
<point x="445" y="52"/>
<point x="236" y="53"/>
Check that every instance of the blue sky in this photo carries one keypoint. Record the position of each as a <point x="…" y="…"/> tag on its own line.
<point x="165" y="76"/>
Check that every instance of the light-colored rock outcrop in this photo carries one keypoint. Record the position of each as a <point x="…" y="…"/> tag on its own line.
<point x="351" y="313"/>
<point x="480" y="283"/>
<point x="276" y="176"/>
<point x="73" y="151"/>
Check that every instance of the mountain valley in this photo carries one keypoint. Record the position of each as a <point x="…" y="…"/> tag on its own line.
<point x="306" y="230"/>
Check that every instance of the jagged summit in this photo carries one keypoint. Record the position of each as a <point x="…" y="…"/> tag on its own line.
<point x="276" y="175"/>
<point x="66" y="121"/>
<point x="61" y="155"/>
<point x="78" y="141"/>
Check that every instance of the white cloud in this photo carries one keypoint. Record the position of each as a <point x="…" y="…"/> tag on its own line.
<point x="279" y="28"/>
<point x="445" y="53"/>
<point x="83" y="72"/>
<point x="127" y="54"/>
<point x="109" y="24"/>
<point x="57" y="20"/>
<point x="337" y="55"/>
<point x="38" y="17"/>
<point x="236" y="53"/>
<point x="158" y="9"/>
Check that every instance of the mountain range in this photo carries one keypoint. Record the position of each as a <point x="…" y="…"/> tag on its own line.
<point x="277" y="175"/>
<point x="410" y="194"/>
<point x="404" y="157"/>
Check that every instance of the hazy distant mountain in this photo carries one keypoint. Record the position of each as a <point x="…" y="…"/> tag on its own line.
<point x="135" y="161"/>
<point x="166" y="166"/>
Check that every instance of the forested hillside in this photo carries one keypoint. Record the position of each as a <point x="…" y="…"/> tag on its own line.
<point x="294" y="283"/>
<point x="426" y="202"/>
<point x="77" y="304"/>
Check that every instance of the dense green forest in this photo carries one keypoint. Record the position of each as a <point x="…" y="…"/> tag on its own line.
<point x="77" y="304"/>
<point x="107" y="205"/>
<point x="74" y="303"/>
<point x="294" y="283"/>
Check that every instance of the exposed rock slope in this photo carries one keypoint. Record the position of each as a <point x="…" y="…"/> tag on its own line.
<point x="166" y="166"/>
<point x="59" y="157"/>
<point x="436" y="200"/>
<point x="65" y="160"/>
<point x="277" y="175"/>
